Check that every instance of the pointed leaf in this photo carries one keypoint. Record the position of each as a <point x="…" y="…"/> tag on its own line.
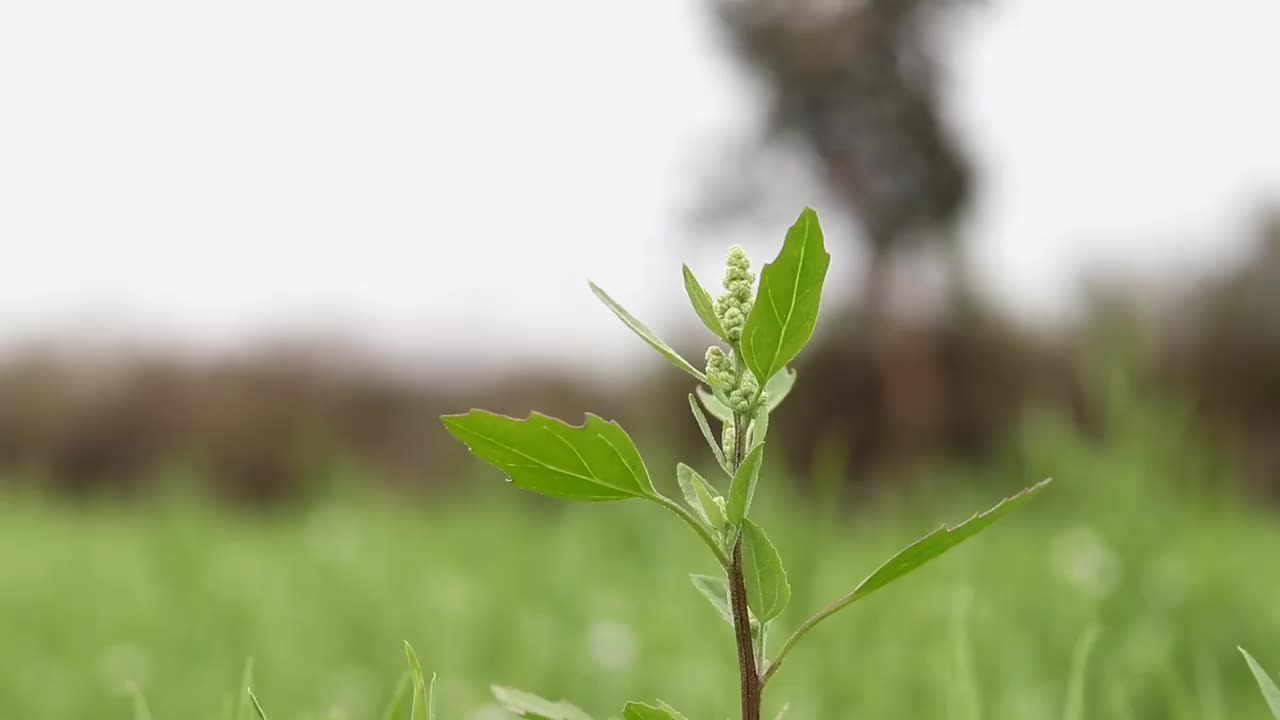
<point x="700" y="496"/>
<point x="418" y="709"/>
<point x="743" y="489"/>
<point x="647" y="335"/>
<point x="705" y="427"/>
<point x="931" y="546"/>
<point x="640" y="711"/>
<point x="592" y="461"/>
<point x="714" y="405"/>
<point x="1268" y="686"/>
<point x="703" y="305"/>
<point x="716" y="591"/>
<point x="778" y="387"/>
<point x="768" y="591"/>
<point x="1074" y="709"/>
<point x="527" y="705"/>
<point x="786" y="307"/>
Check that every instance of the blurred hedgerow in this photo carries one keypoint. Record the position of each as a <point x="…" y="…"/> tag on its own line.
<point x="760" y="331"/>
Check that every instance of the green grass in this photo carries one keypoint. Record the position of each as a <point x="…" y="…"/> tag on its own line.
<point x="592" y="602"/>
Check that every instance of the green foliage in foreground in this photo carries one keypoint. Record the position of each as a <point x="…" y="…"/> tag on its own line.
<point x="598" y="461"/>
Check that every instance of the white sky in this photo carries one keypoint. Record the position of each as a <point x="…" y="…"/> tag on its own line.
<point x="425" y="174"/>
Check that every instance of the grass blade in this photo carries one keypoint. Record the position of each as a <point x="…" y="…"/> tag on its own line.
<point x="141" y="711"/>
<point x="257" y="706"/>
<point x="1265" y="683"/>
<point x="392" y="711"/>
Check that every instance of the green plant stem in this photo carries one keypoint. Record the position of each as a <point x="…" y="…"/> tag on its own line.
<point x="748" y="671"/>
<point x="698" y="527"/>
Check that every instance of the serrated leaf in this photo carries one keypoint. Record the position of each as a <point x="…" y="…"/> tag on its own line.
<point x="703" y="305"/>
<point x="743" y="489"/>
<point x="778" y="387"/>
<point x="592" y="461"/>
<point x="705" y="427"/>
<point x="646" y="334"/>
<point x="786" y="307"/>
<point x="934" y="544"/>
<point x="700" y="496"/>
<point x="768" y="591"/>
<point x="1268" y="686"/>
<point x="527" y="705"/>
<point x="716" y="591"/>
<point x="640" y="711"/>
<point x="714" y="405"/>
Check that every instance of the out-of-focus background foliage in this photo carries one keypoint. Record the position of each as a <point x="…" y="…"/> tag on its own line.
<point x="251" y="254"/>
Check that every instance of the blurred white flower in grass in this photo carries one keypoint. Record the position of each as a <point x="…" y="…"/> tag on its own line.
<point x="122" y="666"/>
<point x="611" y="645"/>
<point x="1083" y="560"/>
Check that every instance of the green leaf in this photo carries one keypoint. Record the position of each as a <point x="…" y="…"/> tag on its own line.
<point x="527" y="705"/>
<point x="716" y="591"/>
<point x="705" y="427"/>
<point x="647" y="335"/>
<point x="768" y="591"/>
<point x="714" y="405"/>
<point x="246" y="680"/>
<point x="640" y="711"/>
<point x="1074" y="709"/>
<point x="257" y="706"/>
<point x="743" y="489"/>
<point x="1268" y="686"/>
<point x="700" y="496"/>
<point x="778" y="387"/>
<point x="786" y="307"/>
<point x="421" y="695"/>
<point x="593" y="461"/>
<point x="703" y="305"/>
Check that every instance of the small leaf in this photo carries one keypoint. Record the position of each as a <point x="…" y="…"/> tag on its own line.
<point x="778" y="387"/>
<point x="768" y="591"/>
<point x="647" y="335"/>
<point x="257" y="706"/>
<point x="1268" y="686"/>
<point x="700" y="496"/>
<point x="786" y="307"/>
<point x="527" y="705"/>
<point x="705" y="427"/>
<point x="592" y="461"/>
<point x="716" y="591"/>
<point x="702" y="304"/>
<point x="743" y="489"/>
<point x="714" y="405"/>
<point x="419" y="684"/>
<point x="640" y="711"/>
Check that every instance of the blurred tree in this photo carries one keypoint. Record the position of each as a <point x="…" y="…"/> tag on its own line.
<point x="856" y="84"/>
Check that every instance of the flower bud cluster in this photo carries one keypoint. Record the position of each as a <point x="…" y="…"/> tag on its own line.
<point x="734" y="306"/>
<point x="719" y="368"/>
<point x="742" y="397"/>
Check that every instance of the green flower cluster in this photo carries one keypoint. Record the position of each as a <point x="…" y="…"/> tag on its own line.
<point x="734" y="306"/>
<point x="720" y="369"/>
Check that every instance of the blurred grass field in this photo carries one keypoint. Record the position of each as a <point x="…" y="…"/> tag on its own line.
<point x="1143" y="535"/>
